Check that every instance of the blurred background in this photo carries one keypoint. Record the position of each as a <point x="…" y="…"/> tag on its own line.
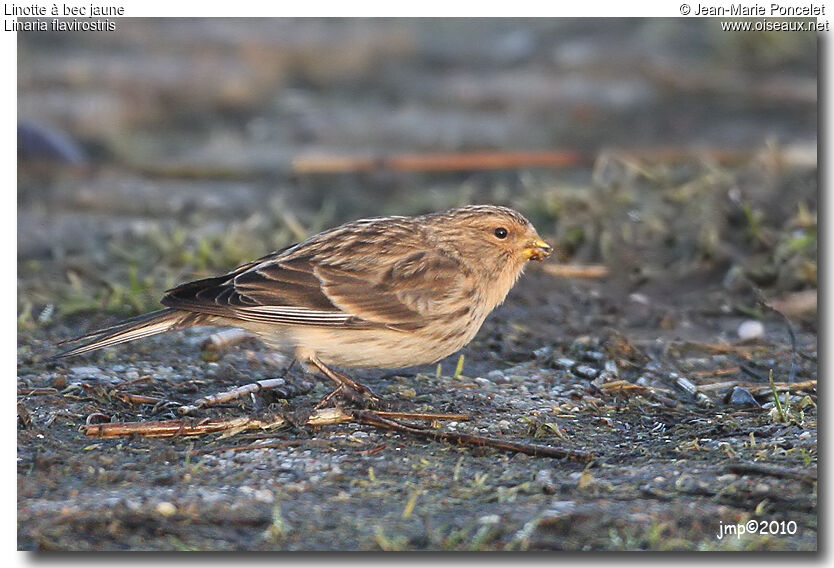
<point x="680" y="158"/>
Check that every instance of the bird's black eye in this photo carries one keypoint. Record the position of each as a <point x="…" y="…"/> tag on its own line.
<point x="500" y="232"/>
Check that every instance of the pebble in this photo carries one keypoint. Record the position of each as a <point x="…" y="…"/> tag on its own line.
<point x="489" y="520"/>
<point x="564" y="362"/>
<point x="480" y="381"/>
<point x="543" y="353"/>
<point x="86" y="371"/>
<point x="165" y="508"/>
<point x="638" y="298"/>
<point x="259" y="495"/>
<point x="740" y="396"/>
<point x="561" y="507"/>
<point x="544" y="479"/>
<point x="593" y="356"/>
<point x="750" y="329"/>
<point x="585" y="371"/>
<point x="497" y="377"/>
<point x="163" y="372"/>
<point x="131" y="375"/>
<point x="653" y="367"/>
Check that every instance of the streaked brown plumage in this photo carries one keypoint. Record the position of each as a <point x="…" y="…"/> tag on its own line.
<point x="381" y="293"/>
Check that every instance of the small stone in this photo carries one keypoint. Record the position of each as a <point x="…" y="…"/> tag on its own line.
<point x="740" y="396"/>
<point x="544" y="479"/>
<point x="264" y="496"/>
<point x="593" y="356"/>
<point x="564" y="362"/>
<point x="131" y="374"/>
<point x="543" y="353"/>
<point x="653" y="367"/>
<point x="59" y="381"/>
<point x="489" y="520"/>
<point x="750" y="329"/>
<point x="480" y="381"/>
<point x="86" y="371"/>
<point x="165" y="508"/>
<point x="585" y="372"/>
<point x="497" y="377"/>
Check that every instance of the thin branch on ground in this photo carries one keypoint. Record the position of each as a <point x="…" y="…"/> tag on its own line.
<point x="575" y="270"/>
<point x="325" y="417"/>
<point x="742" y="468"/>
<point x="284" y="389"/>
<point x="374" y="419"/>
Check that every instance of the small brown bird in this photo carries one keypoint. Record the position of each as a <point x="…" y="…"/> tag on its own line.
<point x="386" y="292"/>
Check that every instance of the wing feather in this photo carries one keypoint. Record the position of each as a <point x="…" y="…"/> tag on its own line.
<point x="300" y="286"/>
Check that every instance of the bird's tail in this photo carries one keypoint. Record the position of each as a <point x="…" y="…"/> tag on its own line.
<point x="160" y="321"/>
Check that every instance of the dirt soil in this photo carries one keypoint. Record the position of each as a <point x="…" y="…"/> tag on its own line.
<point x="169" y="151"/>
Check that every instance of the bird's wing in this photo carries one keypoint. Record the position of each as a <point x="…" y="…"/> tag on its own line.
<point x="419" y="288"/>
<point x="304" y="290"/>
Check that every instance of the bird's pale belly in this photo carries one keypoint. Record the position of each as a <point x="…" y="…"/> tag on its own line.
<point x="384" y="349"/>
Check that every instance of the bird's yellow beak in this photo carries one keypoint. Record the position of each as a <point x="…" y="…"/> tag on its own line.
<point x="537" y="249"/>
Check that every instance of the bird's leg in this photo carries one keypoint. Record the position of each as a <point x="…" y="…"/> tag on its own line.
<point x="326" y="400"/>
<point x="354" y="391"/>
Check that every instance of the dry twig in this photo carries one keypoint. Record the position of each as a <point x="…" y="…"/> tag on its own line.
<point x="324" y="417"/>
<point x="374" y="419"/>
<point x="238" y="392"/>
<point x="37" y="391"/>
<point x="437" y="162"/>
<point x="716" y="372"/>
<point x="686" y="386"/>
<point x="808" y="476"/>
<point x="576" y="270"/>
<point x="760" y="389"/>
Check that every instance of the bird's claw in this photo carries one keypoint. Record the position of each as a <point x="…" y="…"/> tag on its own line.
<point x="362" y="397"/>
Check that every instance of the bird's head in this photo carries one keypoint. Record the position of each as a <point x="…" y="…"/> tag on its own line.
<point x="492" y="236"/>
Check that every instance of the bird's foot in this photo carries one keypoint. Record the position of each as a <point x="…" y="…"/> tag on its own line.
<point x="362" y="397"/>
